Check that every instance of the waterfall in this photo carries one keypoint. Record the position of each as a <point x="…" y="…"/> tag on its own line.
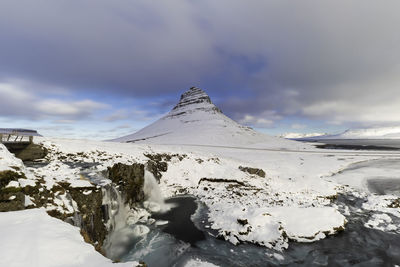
<point x="126" y="225"/>
<point x="121" y="222"/>
<point x="115" y="209"/>
<point x="155" y="201"/>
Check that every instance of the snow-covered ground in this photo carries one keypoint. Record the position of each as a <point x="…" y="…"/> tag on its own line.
<point x="293" y="200"/>
<point x="7" y="160"/>
<point x="33" y="238"/>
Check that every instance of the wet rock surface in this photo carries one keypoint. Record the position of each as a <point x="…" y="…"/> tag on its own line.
<point x="130" y="179"/>
<point x="158" y="163"/>
<point x="90" y="216"/>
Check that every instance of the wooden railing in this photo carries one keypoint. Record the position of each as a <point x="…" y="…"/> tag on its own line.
<point x="15" y="138"/>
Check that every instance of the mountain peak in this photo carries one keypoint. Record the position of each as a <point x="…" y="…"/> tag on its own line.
<point x="194" y="95"/>
<point x="195" y="120"/>
<point x="192" y="100"/>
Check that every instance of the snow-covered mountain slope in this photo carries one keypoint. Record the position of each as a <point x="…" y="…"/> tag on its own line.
<point x="384" y="132"/>
<point x="367" y="133"/>
<point x="301" y="135"/>
<point x="195" y="120"/>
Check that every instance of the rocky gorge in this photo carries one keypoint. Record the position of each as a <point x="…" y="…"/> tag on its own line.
<point x="81" y="205"/>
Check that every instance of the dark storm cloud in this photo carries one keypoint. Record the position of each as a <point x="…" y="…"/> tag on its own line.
<point x="136" y="47"/>
<point x="264" y="60"/>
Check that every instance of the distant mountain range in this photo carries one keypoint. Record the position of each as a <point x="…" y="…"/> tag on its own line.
<point x="369" y="133"/>
<point x="364" y="133"/>
<point x="195" y="120"/>
<point x="301" y="135"/>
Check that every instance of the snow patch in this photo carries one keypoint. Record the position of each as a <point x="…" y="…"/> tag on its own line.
<point x="51" y="242"/>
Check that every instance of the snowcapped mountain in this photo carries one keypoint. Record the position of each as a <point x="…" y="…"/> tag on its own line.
<point x="370" y="133"/>
<point x="195" y="120"/>
<point x="301" y="135"/>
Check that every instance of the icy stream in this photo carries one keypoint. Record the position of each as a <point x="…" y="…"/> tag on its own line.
<point x="357" y="245"/>
<point x="174" y="245"/>
<point x="174" y="235"/>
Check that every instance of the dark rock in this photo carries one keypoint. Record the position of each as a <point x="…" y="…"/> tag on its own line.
<point x="130" y="179"/>
<point x="221" y="180"/>
<point x="156" y="167"/>
<point x="158" y="163"/>
<point x="165" y="157"/>
<point x="253" y="171"/>
<point x="30" y="152"/>
<point x="90" y="217"/>
<point x="195" y="96"/>
<point x="242" y="221"/>
<point x="40" y="194"/>
<point x="395" y="204"/>
<point x="18" y="203"/>
<point x="8" y="176"/>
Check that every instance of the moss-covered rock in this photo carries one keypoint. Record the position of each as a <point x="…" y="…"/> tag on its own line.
<point x="12" y="201"/>
<point x="11" y="198"/>
<point x="90" y="215"/>
<point x="30" y="152"/>
<point x="8" y="176"/>
<point x="130" y="180"/>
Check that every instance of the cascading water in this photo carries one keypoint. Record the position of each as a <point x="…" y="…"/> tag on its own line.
<point x="155" y="201"/>
<point x="127" y="226"/>
<point x="124" y="225"/>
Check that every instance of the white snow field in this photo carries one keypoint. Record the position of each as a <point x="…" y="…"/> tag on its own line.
<point x="33" y="238"/>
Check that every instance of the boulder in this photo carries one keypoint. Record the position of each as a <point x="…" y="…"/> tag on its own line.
<point x="253" y="171"/>
<point x="30" y="152"/>
<point x="129" y="179"/>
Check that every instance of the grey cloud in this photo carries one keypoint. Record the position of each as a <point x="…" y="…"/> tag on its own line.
<point x="289" y="57"/>
<point x="131" y="47"/>
<point x="340" y="51"/>
<point x="19" y="102"/>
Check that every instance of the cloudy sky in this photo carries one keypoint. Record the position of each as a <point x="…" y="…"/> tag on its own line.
<point x="102" y="69"/>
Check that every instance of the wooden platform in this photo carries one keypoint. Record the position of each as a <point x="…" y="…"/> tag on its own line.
<point x="14" y="136"/>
